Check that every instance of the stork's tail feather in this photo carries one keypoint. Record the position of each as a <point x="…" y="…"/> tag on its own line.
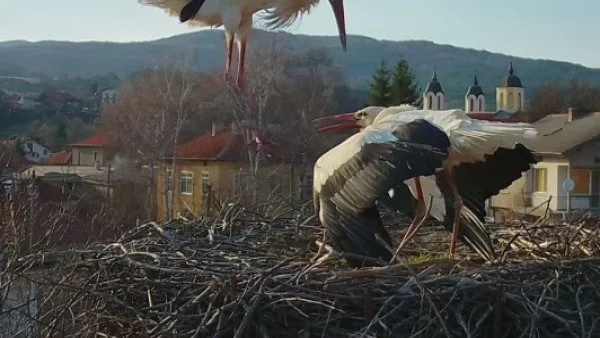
<point x="472" y="232"/>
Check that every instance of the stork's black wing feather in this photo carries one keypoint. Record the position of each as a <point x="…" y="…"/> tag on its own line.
<point x="190" y="10"/>
<point x="471" y="229"/>
<point x="478" y="181"/>
<point x="347" y="199"/>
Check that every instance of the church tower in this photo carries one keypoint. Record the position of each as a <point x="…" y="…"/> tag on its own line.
<point x="433" y="97"/>
<point x="475" y="99"/>
<point x="510" y="95"/>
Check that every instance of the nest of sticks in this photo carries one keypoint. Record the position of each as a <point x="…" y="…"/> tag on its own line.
<point x="254" y="277"/>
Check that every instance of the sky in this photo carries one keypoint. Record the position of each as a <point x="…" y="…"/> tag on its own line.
<point x="558" y="30"/>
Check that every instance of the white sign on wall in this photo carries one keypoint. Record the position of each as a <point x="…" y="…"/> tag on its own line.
<point x="568" y="184"/>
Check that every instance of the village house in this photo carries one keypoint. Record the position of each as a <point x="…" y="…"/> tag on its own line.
<point x="567" y="178"/>
<point x="86" y="161"/>
<point x="31" y="149"/>
<point x="569" y="147"/>
<point x="213" y="169"/>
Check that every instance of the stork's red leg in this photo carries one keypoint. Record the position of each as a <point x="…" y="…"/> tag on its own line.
<point x="419" y="214"/>
<point x="457" y="208"/>
<point x="229" y="43"/>
<point x="241" y="61"/>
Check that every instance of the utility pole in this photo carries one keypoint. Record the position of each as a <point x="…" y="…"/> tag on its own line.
<point x="32" y="197"/>
<point x="108" y="185"/>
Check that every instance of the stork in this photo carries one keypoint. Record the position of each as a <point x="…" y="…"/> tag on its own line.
<point x="236" y="17"/>
<point x="483" y="158"/>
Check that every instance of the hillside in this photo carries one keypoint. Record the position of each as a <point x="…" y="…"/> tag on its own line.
<point x="456" y="66"/>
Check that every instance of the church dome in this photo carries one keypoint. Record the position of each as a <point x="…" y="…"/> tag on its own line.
<point x="511" y="80"/>
<point x="475" y="89"/>
<point x="434" y="85"/>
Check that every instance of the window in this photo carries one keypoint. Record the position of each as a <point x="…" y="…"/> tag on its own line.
<point x="520" y="101"/>
<point x="186" y="182"/>
<point x="511" y="100"/>
<point x="205" y="180"/>
<point x="45" y="152"/>
<point x="501" y="100"/>
<point x="581" y="178"/>
<point x="540" y="179"/>
<point x="439" y="106"/>
<point x="480" y="103"/>
<point x="430" y="106"/>
<point x="471" y="104"/>
<point x="95" y="156"/>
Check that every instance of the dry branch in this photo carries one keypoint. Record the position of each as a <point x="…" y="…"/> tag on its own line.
<point x="253" y="277"/>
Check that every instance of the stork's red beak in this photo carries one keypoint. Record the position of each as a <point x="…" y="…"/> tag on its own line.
<point x="342" y="121"/>
<point x="338" y="11"/>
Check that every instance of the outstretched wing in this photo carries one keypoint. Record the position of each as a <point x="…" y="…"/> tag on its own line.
<point x="347" y="196"/>
<point x="478" y="181"/>
<point x="185" y="10"/>
<point x="285" y="13"/>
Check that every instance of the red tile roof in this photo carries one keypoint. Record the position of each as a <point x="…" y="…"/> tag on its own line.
<point x="224" y="145"/>
<point x="63" y="157"/>
<point x="98" y="140"/>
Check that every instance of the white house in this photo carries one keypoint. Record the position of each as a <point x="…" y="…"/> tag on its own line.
<point x="569" y="147"/>
<point x="33" y="151"/>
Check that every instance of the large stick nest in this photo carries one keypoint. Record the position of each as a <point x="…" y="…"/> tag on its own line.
<point x="253" y="277"/>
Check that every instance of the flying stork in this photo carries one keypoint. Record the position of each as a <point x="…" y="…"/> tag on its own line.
<point x="483" y="158"/>
<point x="236" y="17"/>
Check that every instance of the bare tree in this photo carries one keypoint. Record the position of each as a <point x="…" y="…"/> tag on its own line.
<point x="153" y="113"/>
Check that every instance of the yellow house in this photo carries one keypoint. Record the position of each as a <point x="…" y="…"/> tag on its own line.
<point x="212" y="170"/>
<point x="568" y="148"/>
<point x="90" y="151"/>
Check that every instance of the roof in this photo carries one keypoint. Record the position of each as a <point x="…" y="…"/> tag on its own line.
<point x="434" y="85"/>
<point x="100" y="139"/>
<point x="475" y="89"/>
<point x="559" y="135"/>
<point x="223" y="145"/>
<point x="63" y="157"/>
<point x="494" y="116"/>
<point x="511" y="80"/>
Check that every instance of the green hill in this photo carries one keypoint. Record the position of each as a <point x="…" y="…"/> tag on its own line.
<point x="455" y="66"/>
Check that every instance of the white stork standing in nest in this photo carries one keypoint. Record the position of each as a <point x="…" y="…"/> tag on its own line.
<point x="385" y="163"/>
<point x="236" y="17"/>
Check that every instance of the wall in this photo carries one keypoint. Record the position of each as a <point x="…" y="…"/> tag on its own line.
<point x="506" y="92"/>
<point x="194" y="202"/>
<point x="556" y="174"/>
<point x="85" y="156"/>
<point x="476" y="103"/>
<point x="586" y="156"/>
<point x="228" y="184"/>
<point x="37" y="153"/>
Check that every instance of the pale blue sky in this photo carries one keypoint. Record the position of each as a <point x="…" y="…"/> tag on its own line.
<point x="550" y="29"/>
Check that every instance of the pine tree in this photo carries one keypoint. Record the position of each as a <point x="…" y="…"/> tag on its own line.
<point x="403" y="87"/>
<point x="380" y="91"/>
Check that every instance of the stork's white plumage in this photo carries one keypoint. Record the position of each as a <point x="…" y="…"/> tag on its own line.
<point x="492" y="153"/>
<point x="236" y="17"/>
<point x="351" y="177"/>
